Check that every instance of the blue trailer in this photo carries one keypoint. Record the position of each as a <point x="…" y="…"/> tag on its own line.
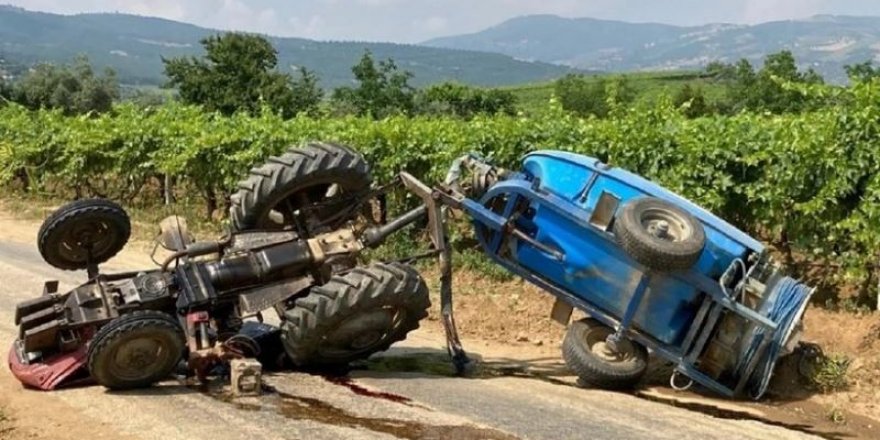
<point x="652" y="270"/>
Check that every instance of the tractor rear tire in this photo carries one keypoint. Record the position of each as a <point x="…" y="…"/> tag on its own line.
<point x="355" y="315"/>
<point x="589" y="357"/>
<point x="136" y="350"/>
<point x="299" y="178"/>
<point x="677" y="247"/>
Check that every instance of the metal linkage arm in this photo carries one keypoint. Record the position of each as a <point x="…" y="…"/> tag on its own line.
<point x="437" y="231"/>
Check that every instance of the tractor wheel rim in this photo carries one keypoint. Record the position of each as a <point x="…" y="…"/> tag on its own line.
<point x="363" y="332"/>
<point x="597" y="341"/>
<point x="139" y="358"/>
<point x="83" y="237"/>
<point x="282" y="214"/>
<point x="665" y="225"/>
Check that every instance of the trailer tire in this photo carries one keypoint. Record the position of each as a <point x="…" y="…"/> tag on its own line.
<point x="586" y="354"/>
<point x="355" y="315"/>
<point x="678" y="247"/>
<point x="301" y="176"/>
<point x="66" y="235"/>
<point x="136" y="350"/>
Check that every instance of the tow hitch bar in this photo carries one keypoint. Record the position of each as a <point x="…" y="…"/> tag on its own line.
<point x="434" y="201"/>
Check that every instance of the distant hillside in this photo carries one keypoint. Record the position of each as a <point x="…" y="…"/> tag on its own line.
<point x="826" y="43"/>
<point x="134" y="45"/>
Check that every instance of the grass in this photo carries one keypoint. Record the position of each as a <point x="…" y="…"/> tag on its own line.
<point x="648" y="86"/>
<point x="851" y="305"/>
<point x="475" y="261"/>
<point x="829" y="373"/>
<point x="836" y="415"/>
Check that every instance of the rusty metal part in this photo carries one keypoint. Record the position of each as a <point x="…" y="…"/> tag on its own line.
<point x="197" y="331"/>
<point x="482" y="175"/>
<point x="339" y="242"/>
<point x="202" y="362"/>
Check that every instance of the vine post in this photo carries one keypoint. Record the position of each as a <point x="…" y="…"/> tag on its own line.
<point x="168" y="190"/>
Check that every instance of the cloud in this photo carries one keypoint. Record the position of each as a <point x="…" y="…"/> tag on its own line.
<point x="417" y="20"/>
<point x="310" y="27"/>
<point x="238" y="15"/>
<point x="433" y="24"/>
<point x="758" y="11"/>
<point x="170" y="9"/>
<point x="381" y="3"/>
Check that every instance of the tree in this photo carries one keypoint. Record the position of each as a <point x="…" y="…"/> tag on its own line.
<point x="465" y="101"/>
<point x="238" y="74"/>
<point x="592" y="95"/>
<point x="692" y="100"/>
<point x="307" y="94"/>
<point x="382" y="89"/>
<point x="765" y="89"/>
<point x="145" y="98"/>
<point x="721" y="71"/>
<point x="73" y="88"/>
<point x="5" y="91"/>
<point x="862" y="72"/>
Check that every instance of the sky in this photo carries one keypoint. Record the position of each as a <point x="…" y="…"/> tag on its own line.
<point x="411" y="21"/>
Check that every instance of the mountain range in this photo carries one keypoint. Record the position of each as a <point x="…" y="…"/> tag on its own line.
<point x="521" y="50"/>
<point x="134" y="46"/>
<point x="824" y="42"/>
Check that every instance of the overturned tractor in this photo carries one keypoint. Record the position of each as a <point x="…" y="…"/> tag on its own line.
<point x="299" y="223"/>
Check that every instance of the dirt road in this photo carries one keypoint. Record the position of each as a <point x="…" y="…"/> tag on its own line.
<point x="406" y="393"/>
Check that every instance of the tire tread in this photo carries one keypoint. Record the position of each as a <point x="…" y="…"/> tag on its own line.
<point x="117" y="328"/>
<point x="75" y="209"/>
<point x="326" y="306"/>
<point x="280" y="174"/>
<point x="594" y="371"/>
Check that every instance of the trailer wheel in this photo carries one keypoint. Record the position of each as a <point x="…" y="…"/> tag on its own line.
<point x="136" y="350"/>
<point x="355" y="315"/>
<point x="300" y="179"/>
<point x="659" y="235"/>
<point x="589" y="357"/>
<point x="96" y="228"/>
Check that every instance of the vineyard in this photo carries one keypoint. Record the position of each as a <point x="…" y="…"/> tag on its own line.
<point x="647" y="86"/>
<point x="807" y="183"/>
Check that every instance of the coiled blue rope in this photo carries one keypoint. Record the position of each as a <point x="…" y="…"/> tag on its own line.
<point x="784" y="306"/>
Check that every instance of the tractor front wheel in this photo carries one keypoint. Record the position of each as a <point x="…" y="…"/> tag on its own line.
<point x="136" y="350"/>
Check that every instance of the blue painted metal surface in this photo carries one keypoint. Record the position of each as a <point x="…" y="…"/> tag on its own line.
<point x="552" y="201"/>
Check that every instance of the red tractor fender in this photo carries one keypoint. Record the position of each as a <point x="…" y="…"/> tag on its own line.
<point x="60" y="370"/>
